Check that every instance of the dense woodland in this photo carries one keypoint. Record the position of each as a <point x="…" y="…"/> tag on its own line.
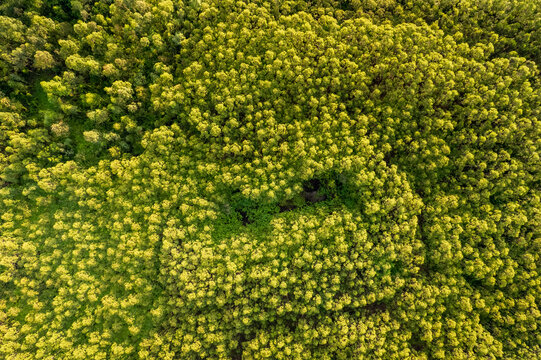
<point x="286" y="179"/>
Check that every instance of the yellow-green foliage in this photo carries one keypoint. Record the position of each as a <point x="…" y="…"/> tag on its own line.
<point x="288" y="179"/>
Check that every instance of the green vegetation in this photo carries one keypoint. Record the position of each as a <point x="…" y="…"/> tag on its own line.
<point x="286" y="179"/>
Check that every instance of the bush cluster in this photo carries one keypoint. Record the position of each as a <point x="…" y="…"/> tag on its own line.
<point x="287" y="179"/>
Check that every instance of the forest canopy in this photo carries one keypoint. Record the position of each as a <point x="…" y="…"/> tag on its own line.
<point x="285" y="179"/>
